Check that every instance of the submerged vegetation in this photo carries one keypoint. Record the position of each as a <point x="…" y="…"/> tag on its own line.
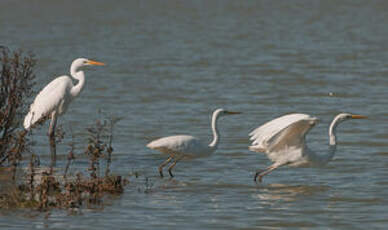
<point x="41" y="188"/>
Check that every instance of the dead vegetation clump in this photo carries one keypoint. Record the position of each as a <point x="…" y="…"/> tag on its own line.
<point x="16" y="82"/>
<point x="42" y="190"/>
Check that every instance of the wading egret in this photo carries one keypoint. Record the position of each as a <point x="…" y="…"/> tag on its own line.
<point x="54" y="99"/>
<point x="188" y="147"/>
<point x="283" y="141"/>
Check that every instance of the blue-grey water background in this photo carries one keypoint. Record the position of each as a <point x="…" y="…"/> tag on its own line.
<point x="171" y="63"/>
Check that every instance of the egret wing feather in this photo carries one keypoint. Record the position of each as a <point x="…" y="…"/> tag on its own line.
<point x="179" y="145"/>
<point x="281" y="132"/>
<point x="292" y="136"/>
<point x="52" y="97"/>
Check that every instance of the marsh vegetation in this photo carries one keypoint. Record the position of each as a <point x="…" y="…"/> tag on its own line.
<point x="26" y="184"/>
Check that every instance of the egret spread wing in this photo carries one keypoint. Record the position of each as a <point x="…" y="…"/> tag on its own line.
<point x="48" y="99"/>
<point x="281" y="133"/>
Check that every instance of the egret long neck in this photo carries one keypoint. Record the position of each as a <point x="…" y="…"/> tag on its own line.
<point x="332" y="141"/>
<point x="80" y="76"/>
<point x="216" y="135"/>
<point x="332" y="131"/>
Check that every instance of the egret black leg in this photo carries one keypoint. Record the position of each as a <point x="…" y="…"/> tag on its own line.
<point x="51" y="134"/>
<point x="257" y="174"/>
<point x="162" y="165"/>
<point x="260" y="173"/>
<point x="172" y="166"/>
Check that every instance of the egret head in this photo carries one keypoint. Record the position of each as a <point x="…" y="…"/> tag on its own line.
<point x="223" y="112"/>
<point x="347" y="116"/>
<point x="85" y="62"/>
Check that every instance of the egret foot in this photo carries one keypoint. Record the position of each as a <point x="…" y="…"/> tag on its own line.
<point x="262" y="173"/>
<point x="257" y="175"/>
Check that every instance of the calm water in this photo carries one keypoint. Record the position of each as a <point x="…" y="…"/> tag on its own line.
<point x="171" y="63"/>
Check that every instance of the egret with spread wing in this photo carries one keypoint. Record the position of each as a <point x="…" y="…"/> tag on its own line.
<point x="189" y="147"/>
<point x="283" y="141"/>
<point x="54" y="99"/>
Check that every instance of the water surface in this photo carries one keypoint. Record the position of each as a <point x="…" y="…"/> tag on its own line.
<point x="171" y="63"/>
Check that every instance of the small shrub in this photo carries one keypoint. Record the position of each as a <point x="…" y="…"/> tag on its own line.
<point x="16" y="81"/>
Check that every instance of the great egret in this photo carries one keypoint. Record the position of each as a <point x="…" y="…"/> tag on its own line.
<point x="187" y="147"/>
<point x="283" y="141"/>
<point x="54" y="99"/>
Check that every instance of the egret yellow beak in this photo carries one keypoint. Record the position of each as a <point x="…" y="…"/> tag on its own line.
<point x="359" y="117"/>
<point x="90" y="62"/>
<point x="231" y="113"/>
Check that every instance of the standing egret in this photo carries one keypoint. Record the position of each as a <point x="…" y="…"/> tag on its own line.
<point x="283" y="141"/>
<point x="55" y="98"/>
<point x="187" y="147"/>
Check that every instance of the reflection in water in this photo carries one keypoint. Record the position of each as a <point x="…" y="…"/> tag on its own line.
<point x="289" y="193"/>
<point x="156" y="184"/>
<point x="5" y="178"/>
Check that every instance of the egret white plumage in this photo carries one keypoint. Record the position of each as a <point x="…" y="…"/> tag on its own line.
<point x="54" y="99"/>
<point x="188" y="147"/>
<point x="283" y="141"/>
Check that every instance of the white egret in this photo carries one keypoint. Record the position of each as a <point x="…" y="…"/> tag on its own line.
<point x="188" y="147"/>
<point x="283" y="141"/>
<point x="54" y="99"/>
